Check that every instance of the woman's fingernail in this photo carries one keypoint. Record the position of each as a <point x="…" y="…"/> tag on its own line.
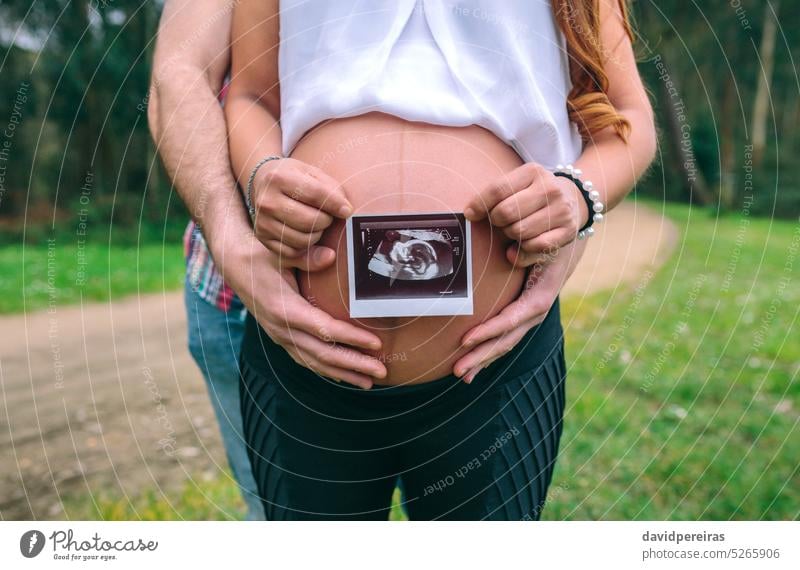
<point x="471" y="376"/>
<point x="469" y="213"/>
<point x="345" y="211"/>
<point x="321" y="254"/>
<point x="513" y="253"/>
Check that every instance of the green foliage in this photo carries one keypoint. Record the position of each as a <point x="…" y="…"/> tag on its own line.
<point x="711" y="51"/>
<point x="86" y="98"/>
<point x="85" y="113"/>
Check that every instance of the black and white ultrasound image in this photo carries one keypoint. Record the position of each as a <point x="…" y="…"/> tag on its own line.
<point x="410" y="256"/>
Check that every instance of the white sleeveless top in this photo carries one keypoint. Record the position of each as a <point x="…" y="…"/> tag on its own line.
<point x="498" y="64"/>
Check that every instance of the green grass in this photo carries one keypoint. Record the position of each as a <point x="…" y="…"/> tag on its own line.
<point x="680" y="405"/>
<point x="36" y="276"/>
<point x="199" y="499"/>
<point x="682" y="390"/>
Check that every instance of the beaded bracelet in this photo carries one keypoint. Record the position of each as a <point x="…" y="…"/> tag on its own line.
<point x="590" y="196"/>
<point x="249" y="196"/>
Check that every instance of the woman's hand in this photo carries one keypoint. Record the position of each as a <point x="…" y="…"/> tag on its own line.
<point x="497" y="336"/>
<point x="311" y="336"/>
<point x="540" y="211"/>
<point x="294" y="203"/>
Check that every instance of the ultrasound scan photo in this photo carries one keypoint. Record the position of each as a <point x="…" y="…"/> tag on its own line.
<point x="409" y="265"/>
<point x="415" y="255"/>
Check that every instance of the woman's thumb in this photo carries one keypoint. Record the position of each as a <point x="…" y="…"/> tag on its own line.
<point x="315" y="258"/>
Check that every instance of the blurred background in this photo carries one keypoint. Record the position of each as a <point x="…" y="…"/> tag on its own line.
<point x="684" y="392"/>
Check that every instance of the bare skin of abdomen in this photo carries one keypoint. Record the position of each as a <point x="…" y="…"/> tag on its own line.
<point x="388" y="165"/>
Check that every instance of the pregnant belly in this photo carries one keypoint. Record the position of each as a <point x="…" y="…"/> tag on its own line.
<point x="388" y="165"/>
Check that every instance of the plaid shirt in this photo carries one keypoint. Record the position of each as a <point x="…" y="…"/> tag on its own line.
<point x="201" y="272"/>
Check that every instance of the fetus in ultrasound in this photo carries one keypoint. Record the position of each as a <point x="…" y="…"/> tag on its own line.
<point x="412" y="255"/>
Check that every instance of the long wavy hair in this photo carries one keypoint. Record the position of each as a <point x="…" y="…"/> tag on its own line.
<point x="588" y="104"/>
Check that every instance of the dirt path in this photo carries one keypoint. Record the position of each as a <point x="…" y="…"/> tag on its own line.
<point x="104" y="397"/>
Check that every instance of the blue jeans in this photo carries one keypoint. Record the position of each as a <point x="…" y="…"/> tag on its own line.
<point x="215" y="338"/>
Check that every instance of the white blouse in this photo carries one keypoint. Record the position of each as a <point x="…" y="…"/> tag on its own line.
<point x="500" y="64"/>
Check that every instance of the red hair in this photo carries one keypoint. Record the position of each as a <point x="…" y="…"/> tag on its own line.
<point x="587" y="103"/>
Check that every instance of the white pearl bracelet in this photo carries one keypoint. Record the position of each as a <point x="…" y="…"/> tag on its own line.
<point x="591" y="196"/>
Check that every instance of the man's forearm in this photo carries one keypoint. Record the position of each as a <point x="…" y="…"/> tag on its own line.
<point x="190" y="133"/>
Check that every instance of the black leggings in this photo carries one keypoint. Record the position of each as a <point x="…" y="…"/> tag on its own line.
<point x="326" y="450"/>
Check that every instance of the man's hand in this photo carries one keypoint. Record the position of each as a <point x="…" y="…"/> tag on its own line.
<point x="188" y="128"/>
<point x="294" y="203"/>
<point x="312" y="337"/>
<point x="540" y="211"/>
<point x="501" y="333"/>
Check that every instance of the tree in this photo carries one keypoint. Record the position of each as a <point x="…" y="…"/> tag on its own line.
<point x="761" y="102"/>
